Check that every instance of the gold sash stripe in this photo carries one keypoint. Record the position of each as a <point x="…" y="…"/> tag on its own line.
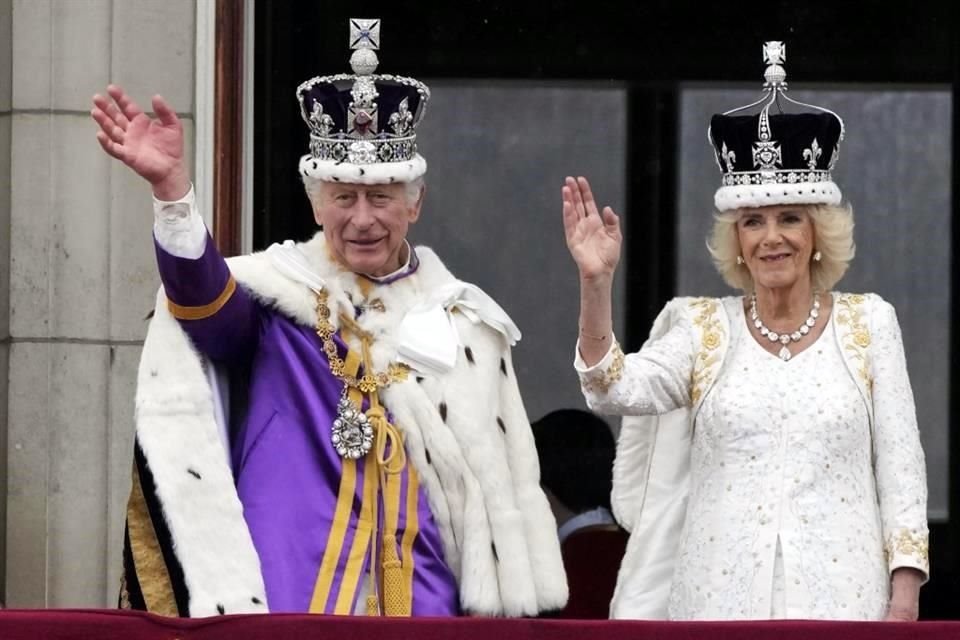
<point x="361" y="541"/>
<point x="201" y="312"/>
<point x="341" y="519"/>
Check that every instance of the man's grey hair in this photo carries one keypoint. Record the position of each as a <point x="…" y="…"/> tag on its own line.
<point x="412" y="189"/>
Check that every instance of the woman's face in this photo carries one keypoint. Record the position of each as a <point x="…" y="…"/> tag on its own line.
<point x="776" y="244"/>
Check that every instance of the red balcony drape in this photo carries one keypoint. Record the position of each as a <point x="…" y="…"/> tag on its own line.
<point x="101" y="624"/>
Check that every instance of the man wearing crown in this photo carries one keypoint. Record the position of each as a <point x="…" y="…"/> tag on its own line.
<point x="333" y="426"/>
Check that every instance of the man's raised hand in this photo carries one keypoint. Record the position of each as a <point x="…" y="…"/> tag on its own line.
<point x="152" y="147"/>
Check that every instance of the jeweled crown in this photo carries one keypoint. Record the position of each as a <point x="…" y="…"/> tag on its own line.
<point x="362" y="118"/>
<point x="780" y="158"/>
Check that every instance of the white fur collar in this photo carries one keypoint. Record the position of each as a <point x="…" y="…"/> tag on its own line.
<point x="417" y="307"/>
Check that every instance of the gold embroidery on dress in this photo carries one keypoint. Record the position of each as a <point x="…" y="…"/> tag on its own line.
<point x="856" y="335"/>
<point x="609" y="376"/>
<point x="908" y="543"/>
<point x="711" y="336"/>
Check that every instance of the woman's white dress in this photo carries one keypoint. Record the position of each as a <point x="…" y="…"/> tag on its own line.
<point x="797" y="507"/>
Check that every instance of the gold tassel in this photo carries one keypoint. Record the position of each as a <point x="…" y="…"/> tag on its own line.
<point x="396" y="602"/>
<point x="373" y="607"/>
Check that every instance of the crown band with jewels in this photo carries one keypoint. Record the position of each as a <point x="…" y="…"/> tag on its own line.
<point x="770" y="159"/>
<point x="777" y="177"/>
<point x="363" y="126"/>
<point x="359" y="147"/>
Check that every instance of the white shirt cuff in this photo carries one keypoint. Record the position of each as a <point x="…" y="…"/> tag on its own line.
<point x="604" y="363"/>
<point x="178" y="227"/>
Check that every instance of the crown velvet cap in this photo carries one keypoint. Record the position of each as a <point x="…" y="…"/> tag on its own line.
<point x="776" y="158"/>
<point x="363" y="125"/>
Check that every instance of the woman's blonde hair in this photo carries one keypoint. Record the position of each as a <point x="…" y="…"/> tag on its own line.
<point x="832" y="237"/>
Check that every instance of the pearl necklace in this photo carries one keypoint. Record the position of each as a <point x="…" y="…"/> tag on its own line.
<point x="785" y="338"/>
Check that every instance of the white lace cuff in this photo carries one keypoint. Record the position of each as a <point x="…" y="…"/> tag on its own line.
<point x="178" y="227"/>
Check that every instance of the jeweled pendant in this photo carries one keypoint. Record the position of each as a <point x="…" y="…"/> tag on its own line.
<point x="785" y="354"/>
<point x="352" y="433"/>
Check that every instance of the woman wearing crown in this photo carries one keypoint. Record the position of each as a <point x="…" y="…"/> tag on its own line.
<point x="775" y="469"/>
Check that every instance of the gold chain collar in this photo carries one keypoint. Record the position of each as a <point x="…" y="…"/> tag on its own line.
<point x="371" y="380"/>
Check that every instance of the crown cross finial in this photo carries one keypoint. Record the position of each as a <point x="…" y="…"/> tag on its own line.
<point x="364" y="34"/>
<point x="774" y="56"/>
<point x="364" y="40"/>
<point x="774" y="52"/>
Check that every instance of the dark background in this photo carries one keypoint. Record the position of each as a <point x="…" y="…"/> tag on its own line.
<point x="653" y="48"/>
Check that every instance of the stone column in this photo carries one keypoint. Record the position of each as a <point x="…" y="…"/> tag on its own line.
<point x="81" y="282"/>
<point x="6" y="10"/>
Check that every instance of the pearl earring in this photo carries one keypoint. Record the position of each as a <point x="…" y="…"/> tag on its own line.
<point x="739" y="259"/>
<point x="817" y="257"/>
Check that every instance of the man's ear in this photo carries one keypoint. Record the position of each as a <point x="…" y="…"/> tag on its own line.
<point x="313" y="196"/>
<point x="316" y="208"/>
<point x="415" y="208"/>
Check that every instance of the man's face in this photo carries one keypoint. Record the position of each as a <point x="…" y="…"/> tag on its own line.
<point x="365" y="225"/>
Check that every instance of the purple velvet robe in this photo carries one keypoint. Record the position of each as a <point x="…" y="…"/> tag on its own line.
<point x="286" y="470"/>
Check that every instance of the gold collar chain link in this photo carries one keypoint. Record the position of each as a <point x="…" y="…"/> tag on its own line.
<point x="371" y="380"/>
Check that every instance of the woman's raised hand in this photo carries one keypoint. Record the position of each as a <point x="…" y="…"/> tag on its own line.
<point x="593" y="238"/>
<point x="152" y="147"/>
